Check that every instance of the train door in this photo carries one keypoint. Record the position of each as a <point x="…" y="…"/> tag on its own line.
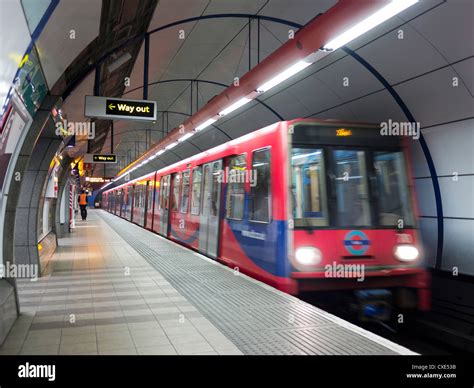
<point x="164" y="204"/>
<point x="142" y="203"/>
<point x="129" y="203"/>
<point x="150" y="194"/>
<point x="118" y="204"/>
<point x="139" y="204"/>
<point x="118" y="208"/>
<point x="209" y="219"/>
<point x="175" y="188"/>
<point x="135" y="212"/>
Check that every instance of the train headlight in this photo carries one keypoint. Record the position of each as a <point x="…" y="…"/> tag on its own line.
<point x="308" y="255"/>
<point x="406" y="252"/>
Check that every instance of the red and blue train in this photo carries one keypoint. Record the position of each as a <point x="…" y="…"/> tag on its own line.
<point x="303" y="205"/>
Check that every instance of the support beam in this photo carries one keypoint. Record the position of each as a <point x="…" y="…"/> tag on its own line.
<point x="112" y="137"/>
<point x="250" y="44"/>
<point x="146" y="62"/>
<point x="258" y="41"/>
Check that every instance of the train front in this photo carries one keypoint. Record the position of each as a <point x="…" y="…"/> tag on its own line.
<point x="352" y="217"/>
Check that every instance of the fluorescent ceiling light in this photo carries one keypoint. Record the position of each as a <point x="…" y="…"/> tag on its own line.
<point x="159" y="152"/>
<point x="235" y="106"/>
<point x="385" y="13"/>
<point x="296" y="68"/>
<point x="185" y="137"/>
<point x="205" y="124"/>
<point x="169" y="146"/>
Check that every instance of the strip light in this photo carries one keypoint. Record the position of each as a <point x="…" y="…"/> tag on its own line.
<point x="205" y="124"/>
<point x="185" y="137"/>
<point x="291" y="71"/>
<point x="235" y="106"/>
<point x="172" y="145"/>
<point x="385" y="13"/>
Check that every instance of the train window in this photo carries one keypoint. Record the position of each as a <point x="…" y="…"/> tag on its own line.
<point x="120" y="199"/>
<point x="352" y="195"/>
<point x="196" y="191"/>
<point x="206" y="191"/>
<point x="136" y="199"/>
<point x="161" y="204"/>
<point x="260" y="194"/>
<point x="176" y="183"/>
<point x="236" y="187"/>
<point x="150" y="192"/>
<point x="393" y="198"/>
<point x="216" y="173"/>
<point x="185" y="193"/>
<point x="142" y="196"/>
<point x="130" y="192"/>
<point x="308" y="187"/>
<point x="129" y="201"/>
<point x="164" y="195"/>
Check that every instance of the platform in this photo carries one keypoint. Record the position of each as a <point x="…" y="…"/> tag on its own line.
<point x="115" y="288"/>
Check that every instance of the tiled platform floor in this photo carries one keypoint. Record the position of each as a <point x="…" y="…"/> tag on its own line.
<point x="102" y="297"/>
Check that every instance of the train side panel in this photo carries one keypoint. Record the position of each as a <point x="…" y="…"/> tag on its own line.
<point x="253" y="242"/>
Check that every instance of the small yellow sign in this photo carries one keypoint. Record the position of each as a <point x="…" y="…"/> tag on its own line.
<point x="112" y="158"/>
<point x="343" y="132"/>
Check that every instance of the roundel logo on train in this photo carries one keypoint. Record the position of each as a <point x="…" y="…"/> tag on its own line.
<point x="356" y="242"/>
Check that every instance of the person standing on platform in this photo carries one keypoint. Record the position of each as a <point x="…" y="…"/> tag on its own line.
<point x="83" y="204"/>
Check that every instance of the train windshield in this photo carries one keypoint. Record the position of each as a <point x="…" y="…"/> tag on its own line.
<point x="355" y="188"/>
<point x="393" y="199"/>
<point x="308" y="187"/>
<point x="351" y="187"/>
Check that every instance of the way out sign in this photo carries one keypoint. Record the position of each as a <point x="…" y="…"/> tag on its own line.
<point x="100" y="158"/>
<point x="111" y="158"/>
<point x="119" y="108"/>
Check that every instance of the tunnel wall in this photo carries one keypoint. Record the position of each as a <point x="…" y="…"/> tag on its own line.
<point x="9" y="307"/>
<point x="35" y="175"/>
<point x="451" y="145"/>
<point x="21" y="206"/>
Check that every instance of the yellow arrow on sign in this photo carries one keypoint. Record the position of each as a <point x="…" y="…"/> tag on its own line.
<point x="111" y="106"/>
<point x="23" y="61"/>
